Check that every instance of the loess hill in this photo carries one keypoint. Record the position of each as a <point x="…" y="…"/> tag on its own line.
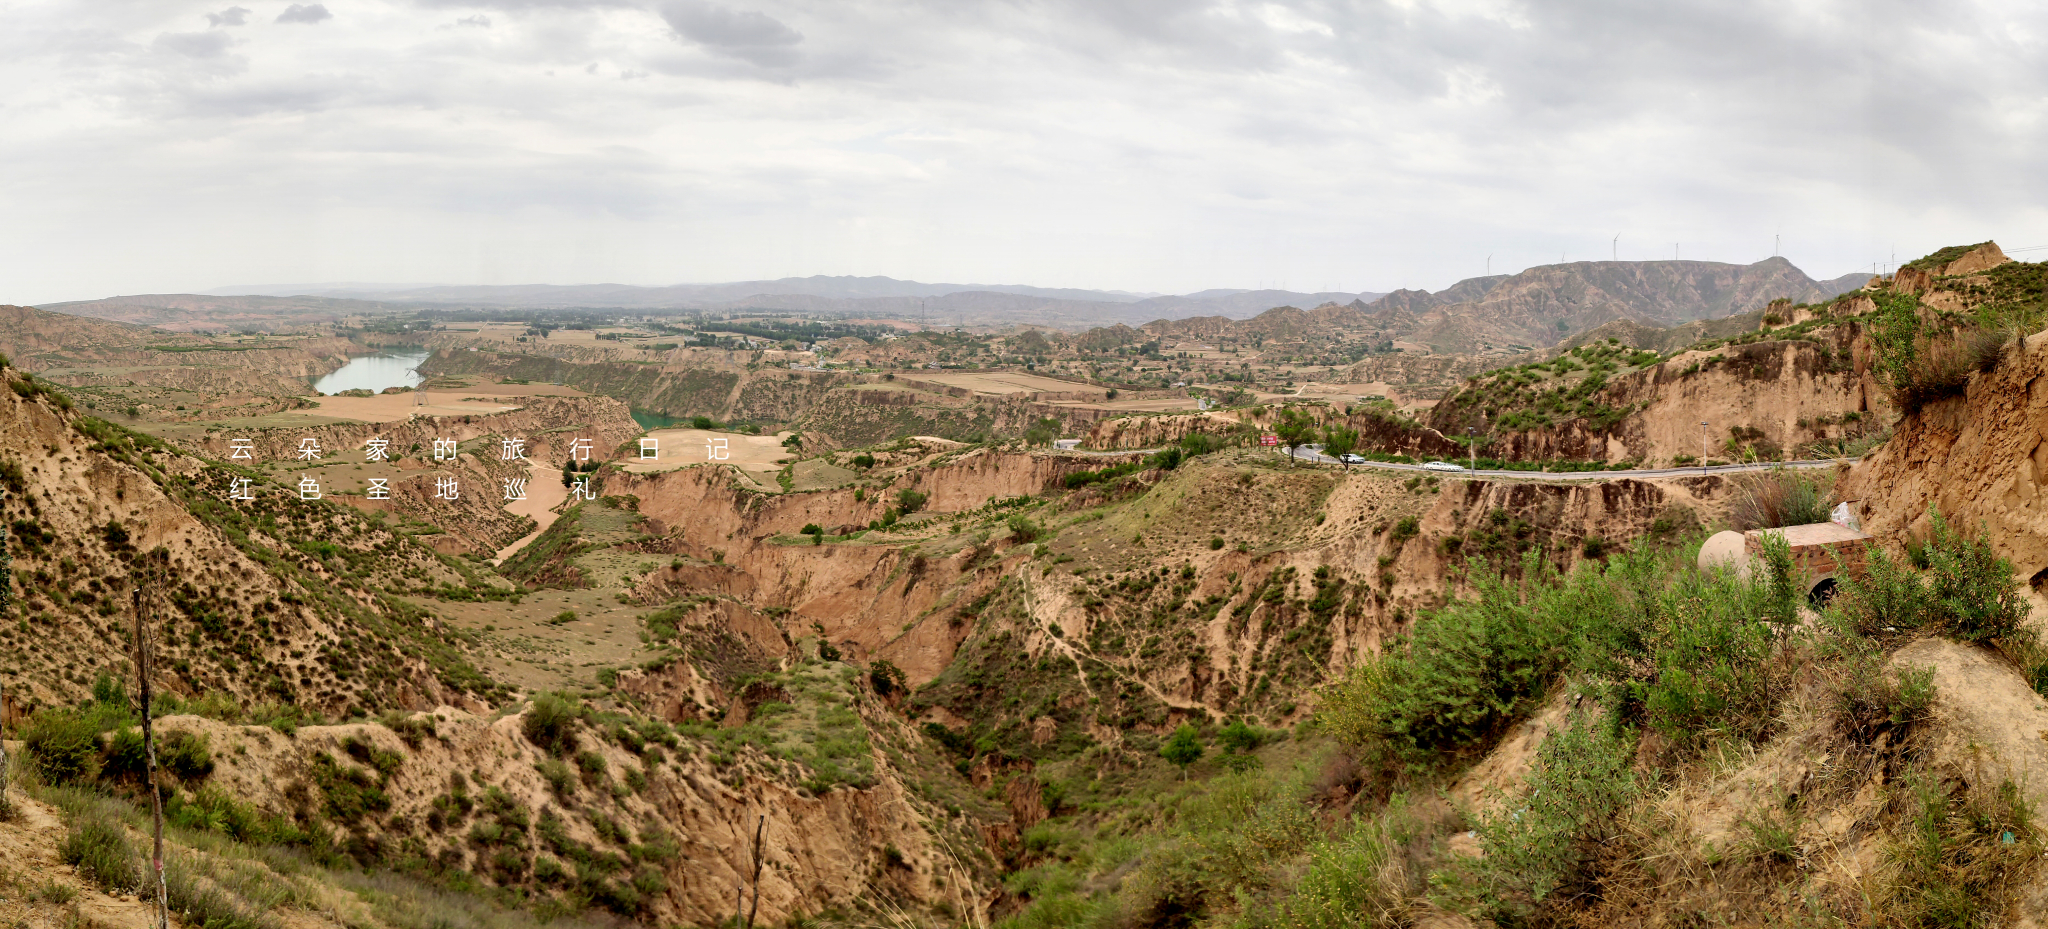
<point x="1178" y="680"/>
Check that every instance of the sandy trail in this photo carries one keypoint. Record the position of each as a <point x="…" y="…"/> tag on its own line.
<point x="544" y="492"/>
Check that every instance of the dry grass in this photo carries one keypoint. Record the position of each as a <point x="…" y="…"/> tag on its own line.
<point x="1779" y="497"/>
<point x="1941" y="369"/>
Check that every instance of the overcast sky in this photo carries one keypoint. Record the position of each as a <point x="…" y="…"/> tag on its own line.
<point x="159" y="146"/>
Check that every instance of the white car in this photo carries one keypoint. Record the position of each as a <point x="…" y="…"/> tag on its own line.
<point x="1353" y="459"/>
<point x="1442" y="466"/>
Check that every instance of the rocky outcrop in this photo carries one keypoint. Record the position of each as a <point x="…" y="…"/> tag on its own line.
<point x="1980" y="459"/>
<point x="1156" y="431"/>
<point x="1918" y="278"/>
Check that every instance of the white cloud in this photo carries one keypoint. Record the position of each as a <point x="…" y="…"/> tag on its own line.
<point x="232" y="16"/>
<point x="1142" y="145"/>
<point x="195" y="44"/>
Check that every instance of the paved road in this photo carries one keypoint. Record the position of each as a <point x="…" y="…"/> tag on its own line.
<point x="1306" y="453"/>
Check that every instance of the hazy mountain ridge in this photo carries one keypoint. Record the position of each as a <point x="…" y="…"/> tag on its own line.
<point x="1539" y="305"/>
<point x="845" y="287"/>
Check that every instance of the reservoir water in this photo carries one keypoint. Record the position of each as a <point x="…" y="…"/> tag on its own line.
<point x="374" y="373"/>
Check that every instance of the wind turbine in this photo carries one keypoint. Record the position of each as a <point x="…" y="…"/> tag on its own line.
<point x="1614" y="248"/>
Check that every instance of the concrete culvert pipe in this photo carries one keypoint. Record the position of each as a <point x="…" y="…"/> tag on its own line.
<point x="1725" y="550"/>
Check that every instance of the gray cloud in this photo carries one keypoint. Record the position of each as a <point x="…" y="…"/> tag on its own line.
<point x="1135" y="144"/>
<point x="232" y="16"/>
<point x="747" y="34"/>
<point x="304" y="13"/>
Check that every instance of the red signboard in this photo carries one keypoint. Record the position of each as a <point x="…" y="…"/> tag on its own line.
<point x="1269" y="440"/>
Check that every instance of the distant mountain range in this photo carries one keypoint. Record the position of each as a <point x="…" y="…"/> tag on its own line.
<point x="1535" y="307"/>
<point x="671" y="296"/>
<point x="1546" y="303"/>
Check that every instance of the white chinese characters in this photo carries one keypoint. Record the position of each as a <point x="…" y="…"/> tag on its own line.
<point x="445" y="488"/>
<point x="716" y="450"/>
<point x="377" y="450"/>
<point x="309" y="489"/>
<point x="380" y="488"/>
<point x="444" y="449"/>
<point x="242" y="489"/>
<point x="309" y="449"/>
<point x="512" y="450"/>
<point x="515" y="488"/>
<point x="241" y="449"/>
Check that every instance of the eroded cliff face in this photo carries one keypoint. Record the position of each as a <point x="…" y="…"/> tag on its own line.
<point x="263" y="601"/>
<point x="1772" y="396"/>
<point x="1981" y="459"/>
<point x="469" y="792"/>
<point x="1333" y="562"/>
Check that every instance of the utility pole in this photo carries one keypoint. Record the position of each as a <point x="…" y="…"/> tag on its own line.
<point x="1703" y="446"/>
<point x="1472" y="446"/>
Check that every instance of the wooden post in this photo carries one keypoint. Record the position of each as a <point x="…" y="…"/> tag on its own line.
<point x="3" y="745"/>
<point x="756" y="907"/>
<point x="150" y="575"/>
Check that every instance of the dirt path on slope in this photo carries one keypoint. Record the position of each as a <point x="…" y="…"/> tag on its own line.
<point x="544" y="492"/>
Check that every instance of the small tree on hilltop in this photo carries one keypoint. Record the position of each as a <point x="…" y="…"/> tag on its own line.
<point x="1183" y="749"/>
<point x="1339" y="441"/>
<point x="1294" y="429"/>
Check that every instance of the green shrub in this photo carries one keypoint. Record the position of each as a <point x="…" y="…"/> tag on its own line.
<point x="1966" y="592"/>
<point x="64" y="745"/>
<point x="1366" y="876"/>
<point x="1183" y="748"/>
<point x="1234" y="840"/>
<point x="97" y="845"/>
<point x="1971" y="588"/>
<point x="1238" y="737"/>
<point x="551" y="722"/>
<point x="183" y="754"/>
<point x="560" y="778"/>
<point x="1023" y="530"/>
<point x="909" y="501"/>
<point x="1538" y="842"/>
<point x="1465" y="671"/>
<point x="563" y="618"/>
<point x="591" y="764"/>
<point x="1888" y="601"/>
